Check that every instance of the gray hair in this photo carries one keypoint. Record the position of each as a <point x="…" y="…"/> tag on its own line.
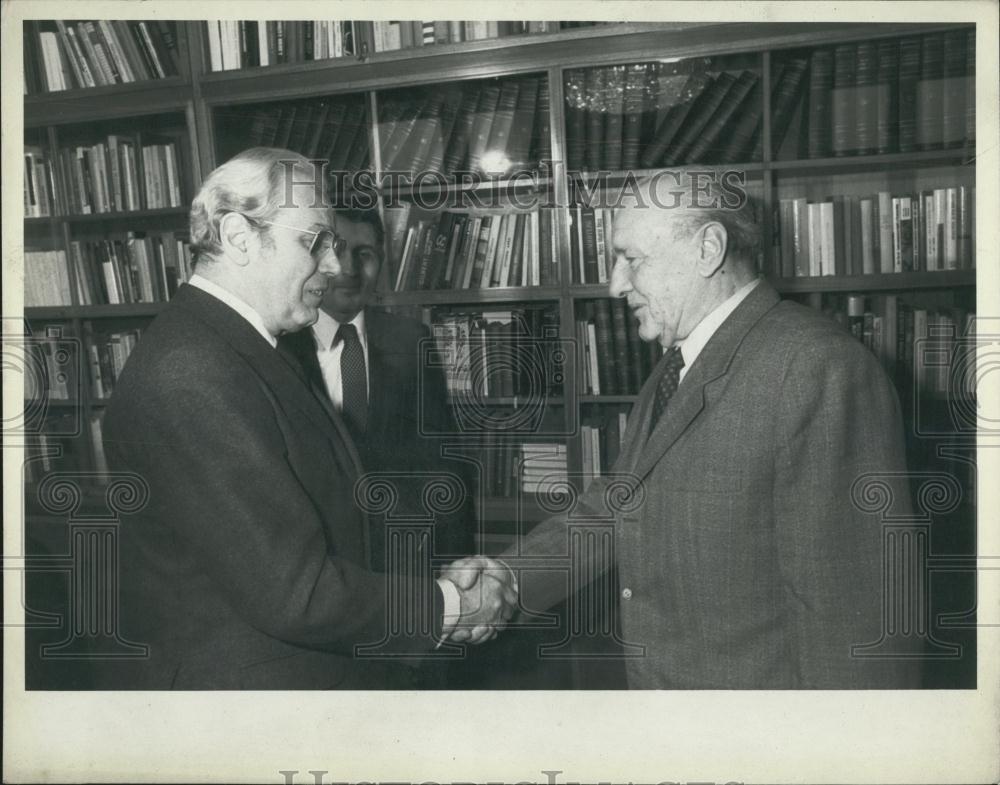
<point x="712" y="201"/>
<point x="252" y="183"/>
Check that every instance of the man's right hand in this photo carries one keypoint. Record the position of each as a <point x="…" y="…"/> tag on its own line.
<point x="488" y="592"/>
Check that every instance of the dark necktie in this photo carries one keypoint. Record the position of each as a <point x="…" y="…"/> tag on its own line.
<point x="673" y="361"/>
<point x="353" y="378"/>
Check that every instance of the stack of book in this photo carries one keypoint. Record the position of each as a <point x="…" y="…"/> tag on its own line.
<point x="39" y="185"/>
<point x="470" y="250"/>
<point x="139" y="268"/>
<point x="612" y="359"/>
<point x="46" y="279"/>
<point x="119" y="174"/>
<point x="500" y="354"/>
<point x="493" y="127"/>
<point x="67" y="55"/>
<point x="334" y="130"/>
<point x="602" y="442"/>
<point x="881" y="233"/>
<point x="543" y="467"/>
<point x="899" y="95"/>
<point x="234" y="44"/>
<point x="107" y="354"/>
<point x="392" y="35"/>
<point x="918" y="347"/>
<point x="592" y="243"/>
<point x="614" y="119"/>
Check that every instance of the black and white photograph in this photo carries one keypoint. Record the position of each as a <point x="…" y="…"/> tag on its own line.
<point x="606" y="398"/>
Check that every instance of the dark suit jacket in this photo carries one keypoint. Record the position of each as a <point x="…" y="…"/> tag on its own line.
<point x="406" y="407"/>
<point x="248" y="567"/>
<point x="747" y="564"/>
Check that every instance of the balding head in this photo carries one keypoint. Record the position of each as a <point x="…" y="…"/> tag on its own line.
<point x="683" y="245"/>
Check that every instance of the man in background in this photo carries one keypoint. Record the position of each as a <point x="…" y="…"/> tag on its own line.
<point x="367" y="362"/>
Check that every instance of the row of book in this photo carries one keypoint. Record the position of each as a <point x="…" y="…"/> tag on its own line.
<point x="467" y="250"/>
<point x="897" y="95"/>
<point x="628" y="117"/>
<point x="139" y="268"/>
<point x="334" y="130"/>
<point x="512" y="353"/>
<point x="601" y="441"/>
<point x="612" y="359"/>
<point x="487" y="126"/>
<point x="918" y="347"/>
<point x="65" y="55"/>
<point x="39" y="184"/>
<point x="543" y="467"/>
<point x="592" y="243"/>
<point x="118" y="174"/>
<point x="882" y="233"/>
<point x="107" y="354"/>
<point x="392" y="35"/>
<point x="234" y="44"/>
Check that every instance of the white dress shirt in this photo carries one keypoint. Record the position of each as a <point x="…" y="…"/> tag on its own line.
<point x="325" y="332"/>
<point x="240" y="306"/>
<point x="692" y="345"/>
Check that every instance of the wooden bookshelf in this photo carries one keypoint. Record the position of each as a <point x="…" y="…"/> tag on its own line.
<point x="198" y="100"/>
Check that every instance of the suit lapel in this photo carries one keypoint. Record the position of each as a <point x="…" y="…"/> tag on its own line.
<point x="283" y="375"/>
<point x="712" y="363"/>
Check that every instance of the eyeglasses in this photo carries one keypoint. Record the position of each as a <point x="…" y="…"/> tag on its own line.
<point x="323" y="240"/>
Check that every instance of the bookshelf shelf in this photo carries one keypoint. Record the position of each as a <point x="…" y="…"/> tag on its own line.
<point x="120" y="311"/>
<point x="588" y="291"/>
<point x="213" y="113"/>
<point x="432" y="186"/>
<point x="877" y="282"/>
<point x="461" y="296"/>
<point x="91" y="104"/>
<point x="616" y="178"/>
<point x="950" y="157"/>
<point x="130" y="216"/>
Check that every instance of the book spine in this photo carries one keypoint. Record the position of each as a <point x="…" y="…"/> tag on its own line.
<point x="930" y="93"/>
<point x="605" y="348"/>
<point x="909" y="75"/>
<point x="885" y="219"/>
<point x="820" y="87"/>
<point x="868" y="229"/>
<point x="843" y="98"/>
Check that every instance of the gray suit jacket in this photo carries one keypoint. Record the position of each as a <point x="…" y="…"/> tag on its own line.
<point x="746" y="564"/>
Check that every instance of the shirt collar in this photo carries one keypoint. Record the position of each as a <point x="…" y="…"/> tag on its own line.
<point x="325" y="329"/>
<point x="241" y="307"/>
<point x="692" y="345"/>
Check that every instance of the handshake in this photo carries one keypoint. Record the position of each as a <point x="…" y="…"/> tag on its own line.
<point x="488" y="592"/>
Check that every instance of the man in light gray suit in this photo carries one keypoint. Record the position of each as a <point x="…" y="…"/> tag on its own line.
<point x="746" y="565"/>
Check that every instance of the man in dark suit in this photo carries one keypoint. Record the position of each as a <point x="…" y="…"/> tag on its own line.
<point x="248" y="568"/>
<point x="368" y="363"/>
<point x="744" y="563"/>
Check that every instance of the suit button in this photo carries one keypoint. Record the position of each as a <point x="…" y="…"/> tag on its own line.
<point x="626" y="593"/>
